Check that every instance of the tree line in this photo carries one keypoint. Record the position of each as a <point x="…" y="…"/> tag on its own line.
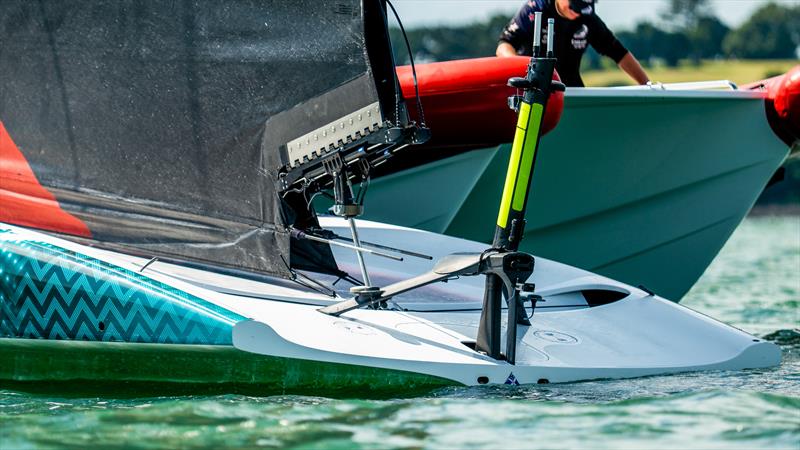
<point x="690" y="30"/>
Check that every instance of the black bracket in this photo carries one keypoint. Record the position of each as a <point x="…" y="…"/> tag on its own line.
<point x="344" y="204"/>
<point x="526" y="83"/>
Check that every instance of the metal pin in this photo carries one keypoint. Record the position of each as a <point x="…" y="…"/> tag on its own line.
<point x="551" y="32"/>
<point x="152" y="260"/>
<point x="359" y="256"/>
<point x="537" y="33"/>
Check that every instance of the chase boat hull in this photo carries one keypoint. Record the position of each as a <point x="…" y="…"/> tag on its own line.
<point x="642" y="186"/>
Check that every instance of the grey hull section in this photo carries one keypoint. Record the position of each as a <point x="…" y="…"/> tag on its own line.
<point x="643" y="187"/>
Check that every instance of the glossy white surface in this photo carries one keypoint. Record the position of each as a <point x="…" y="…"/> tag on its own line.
<point x="637" y="336"/>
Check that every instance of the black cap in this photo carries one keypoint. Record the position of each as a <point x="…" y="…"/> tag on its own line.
<point x="584" y="7"/>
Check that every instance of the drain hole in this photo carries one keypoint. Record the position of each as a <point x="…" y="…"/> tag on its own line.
<point x="543" y="381"/>
<point x="483" y="380"/>
<point x="102" y="326"/>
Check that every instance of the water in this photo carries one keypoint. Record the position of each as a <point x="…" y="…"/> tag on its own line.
<point x="754" y="284"/>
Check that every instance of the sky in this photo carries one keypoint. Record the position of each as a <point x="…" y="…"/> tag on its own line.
<point x="617" y="14"/>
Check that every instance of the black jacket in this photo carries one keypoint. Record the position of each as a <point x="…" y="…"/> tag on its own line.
<point x="572" y="38"/>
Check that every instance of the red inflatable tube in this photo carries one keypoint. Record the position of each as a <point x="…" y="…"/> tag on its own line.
<point x="465" y="101"/>
<point x="783" y="103"/>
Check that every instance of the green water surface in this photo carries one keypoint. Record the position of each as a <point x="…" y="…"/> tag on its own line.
<point x="754" y="284"/>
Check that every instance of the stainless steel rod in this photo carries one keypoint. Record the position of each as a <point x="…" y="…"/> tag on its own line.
<point x="351" y="247"/>
<point x="360" y="256"/>
<point x="391" y="249"/>
<point x="551" y="34"/>
<point x="537" y="33"/>
<point x="398" y="250"/>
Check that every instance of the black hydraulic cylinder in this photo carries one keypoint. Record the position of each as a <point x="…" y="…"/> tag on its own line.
<point x="511" y="332"/>
<point x="489" y="328"/>
<point x="511" y="217"/>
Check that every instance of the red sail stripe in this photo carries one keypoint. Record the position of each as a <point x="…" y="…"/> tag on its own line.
<point x="24" y="201"/>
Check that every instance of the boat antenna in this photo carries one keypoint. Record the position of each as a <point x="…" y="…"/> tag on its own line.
<point x="413" y="67"/>
<point x="537" y="33"/>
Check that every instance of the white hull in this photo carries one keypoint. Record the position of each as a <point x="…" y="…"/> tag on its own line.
<point x="429" y="330"/>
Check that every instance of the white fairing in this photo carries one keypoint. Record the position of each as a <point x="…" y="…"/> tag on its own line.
<point x="639" y="335"/>
<point x="426" y="332"/>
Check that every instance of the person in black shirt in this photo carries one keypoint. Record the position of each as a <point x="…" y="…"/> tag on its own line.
<point x="576" y="27"/>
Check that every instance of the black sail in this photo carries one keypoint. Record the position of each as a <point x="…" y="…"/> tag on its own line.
<point x="162" y="125"/>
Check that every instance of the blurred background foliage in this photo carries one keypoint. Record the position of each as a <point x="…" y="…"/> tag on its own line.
<point x="689" y="32"/>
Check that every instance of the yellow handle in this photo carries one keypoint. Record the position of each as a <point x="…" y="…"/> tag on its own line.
<point x="523" y="151"/>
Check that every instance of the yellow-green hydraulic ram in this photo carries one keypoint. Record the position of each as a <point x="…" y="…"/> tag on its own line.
<point x="519" y="175"/>
<point x="537" y="86"/>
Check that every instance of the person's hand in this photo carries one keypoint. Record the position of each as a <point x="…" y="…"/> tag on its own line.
<point x="504" y="49"/>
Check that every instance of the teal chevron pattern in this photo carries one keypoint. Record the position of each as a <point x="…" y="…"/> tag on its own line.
<point x="48" y="292"/>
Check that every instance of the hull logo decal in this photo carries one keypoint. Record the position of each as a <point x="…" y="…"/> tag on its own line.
<point x="512" y="380"/>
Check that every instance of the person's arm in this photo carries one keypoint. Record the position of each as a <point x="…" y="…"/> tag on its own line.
<point x="518" y="34"/>
<point x="604" y="41"/>
<point x="630" y="65"/>
<point x="505" y="49"/>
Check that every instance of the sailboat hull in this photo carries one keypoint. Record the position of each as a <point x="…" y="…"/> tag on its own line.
<point x="76" y="318"/>
<point x="123" y="368"/>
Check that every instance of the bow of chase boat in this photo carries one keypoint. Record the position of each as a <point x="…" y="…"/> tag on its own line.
<point x="665" y="173"/>
<point x="189" y="257"/>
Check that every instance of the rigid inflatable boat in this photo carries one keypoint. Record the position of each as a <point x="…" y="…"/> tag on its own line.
<point x="664" y="174"/>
